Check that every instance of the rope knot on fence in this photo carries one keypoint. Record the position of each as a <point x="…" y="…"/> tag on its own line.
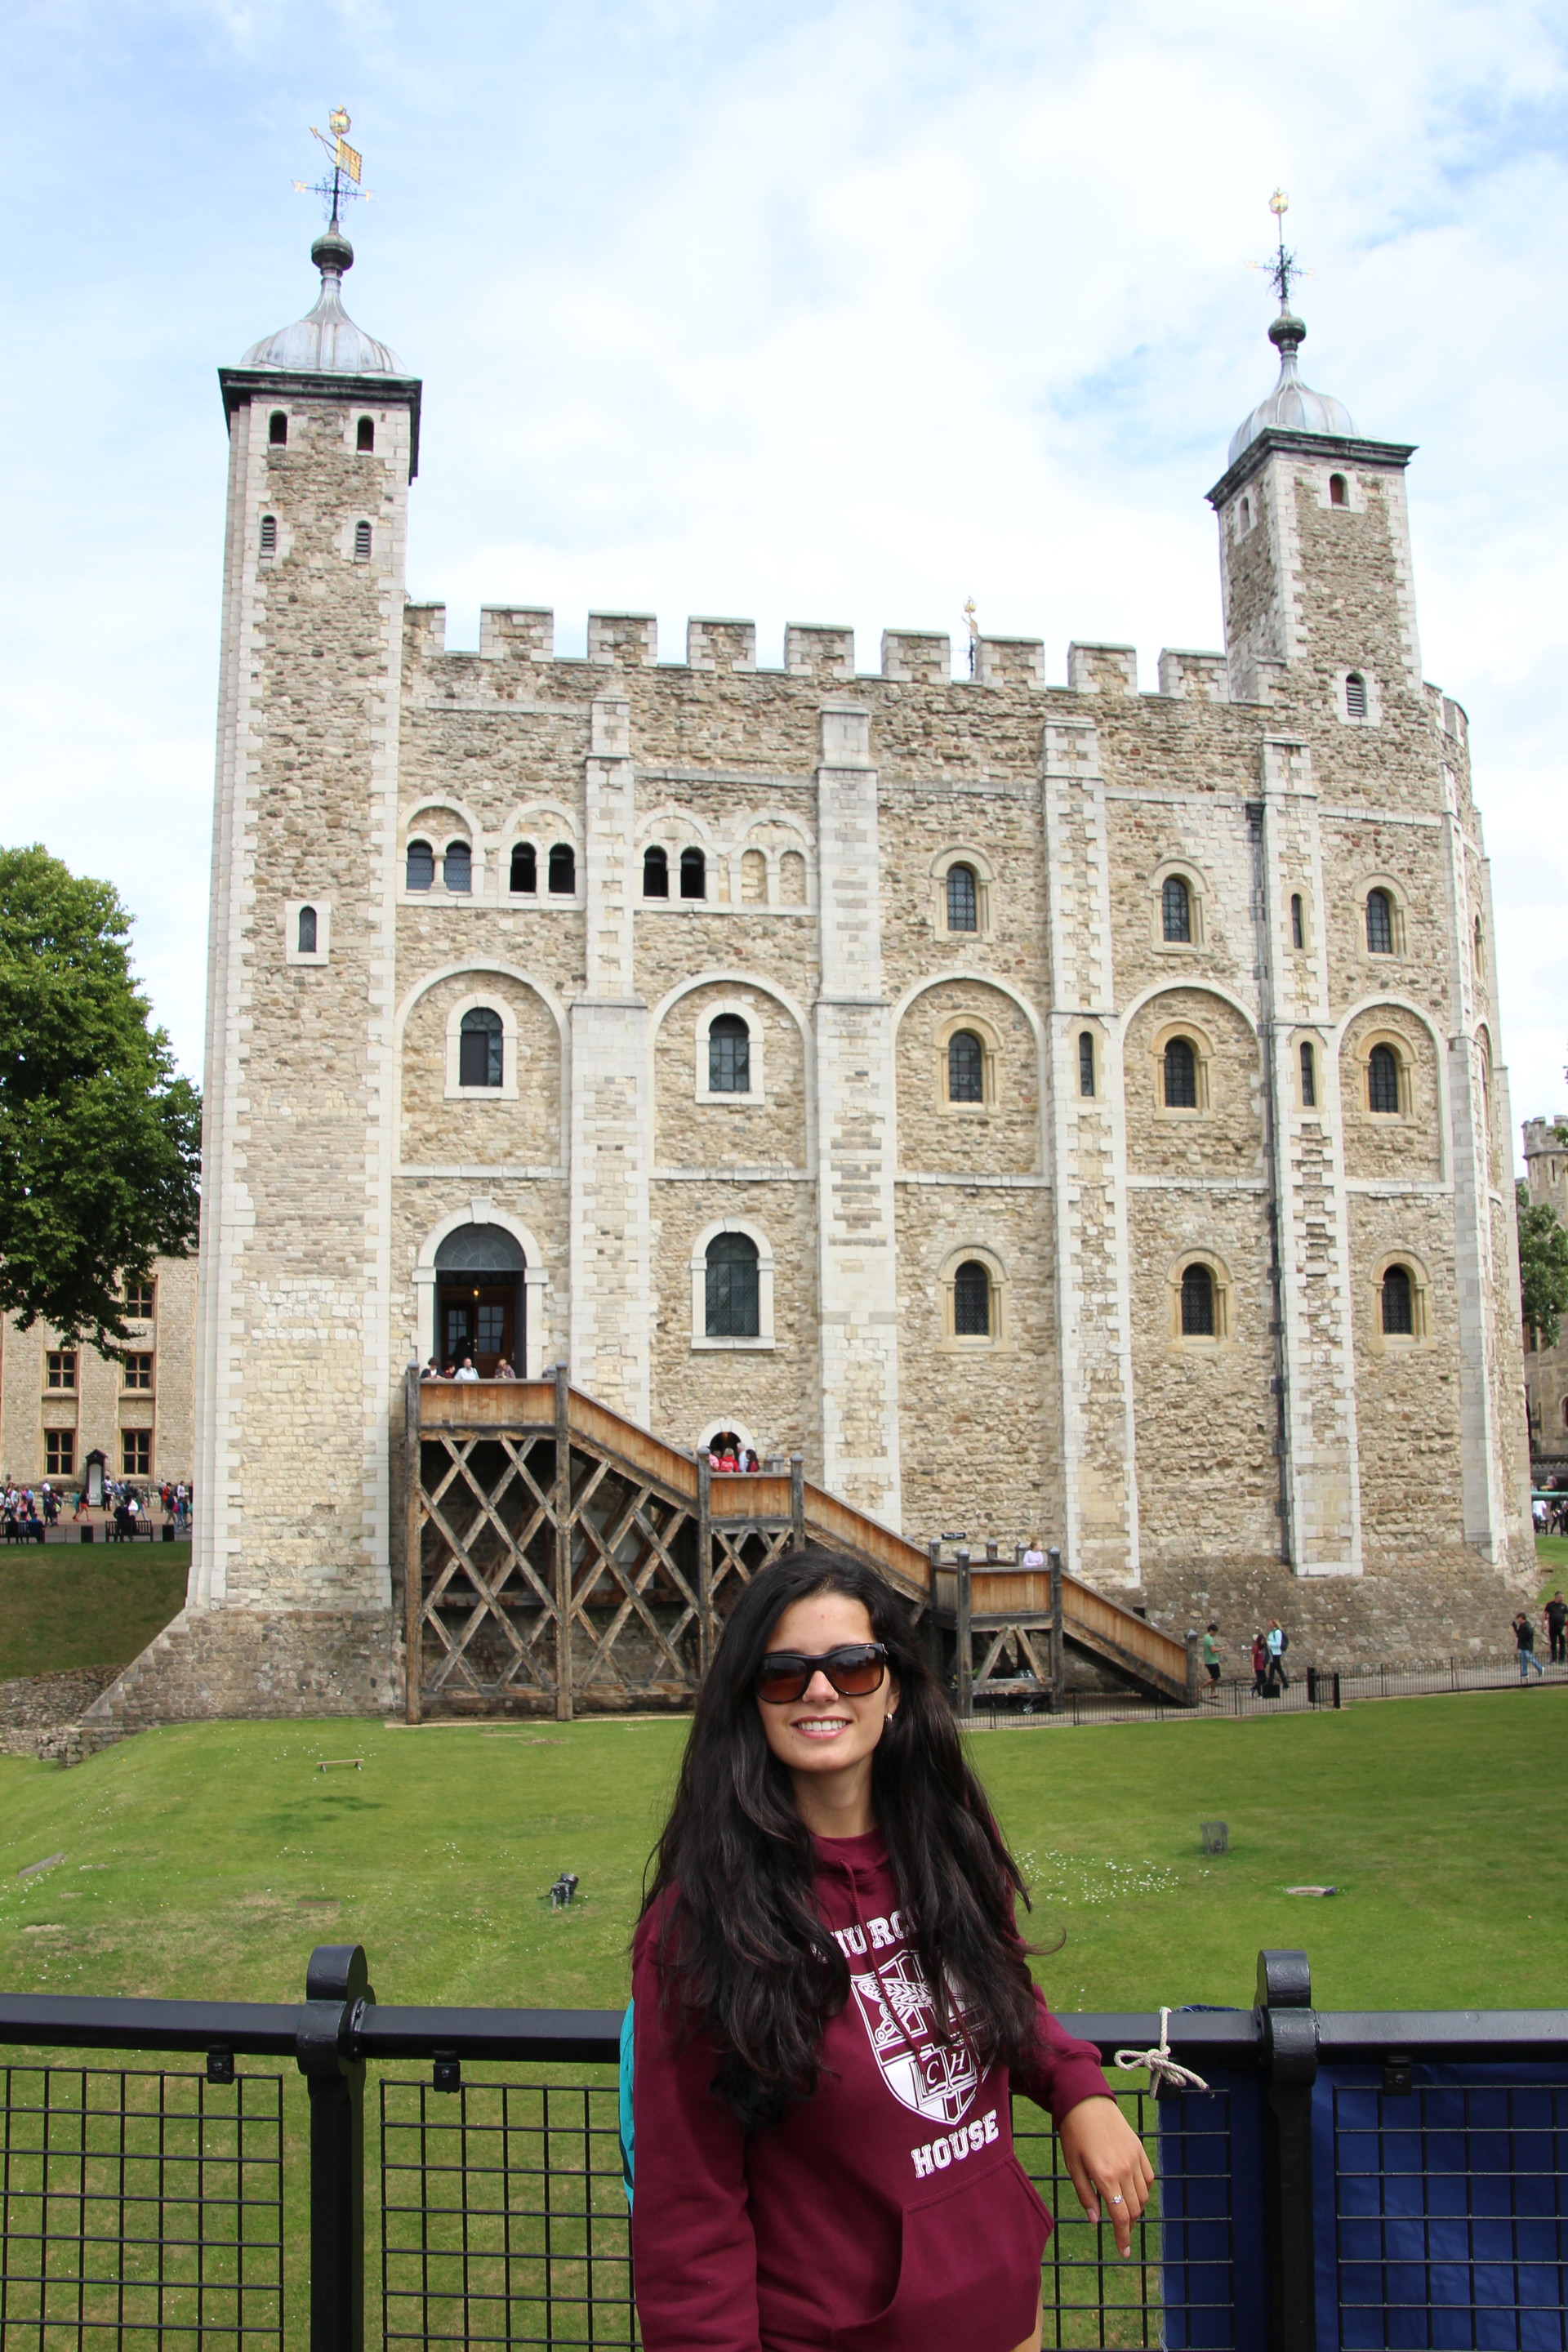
<point x="1165" y="2073"/>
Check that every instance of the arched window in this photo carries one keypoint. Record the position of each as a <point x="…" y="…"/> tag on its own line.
<point x="524" y="875"/>
<point x="1309" y="1079"/>
<point x="361" y="542"/>
<point x="563" y="870"/>
<point x="457" y="867"/>
<point x="306" y="936"/>
<point x="1379" y="923"/>
<point x="419" y="873"/>
<point x="655" y="872"/>
<point x="965" y="1067"/>
<point x="1247" y="514"/>
<point x="1180" y="1074"/>
<point x="1086" y="1062"/>
<point x="1297" y="922"/>
<point x="1339" y="492"/>
<point x="791" y="878"/>
<point x="734" y="1293"/>
<point x="729" y="1055"/>
<point x="1197" y="1303"/>
<point x="366" y="433"/>
<point x="277" y="430"/>
<point x="1481" y="950"/>
<point x="962" y="900"/>
<point x="1398" y="1303"/>
<point x="1382" y="1080"/>
<point x="479" y="1049"/>
<point x="1176" y="909"/>
<point x="972" y="1301"/>
<point x="753" y="879"/>
<point x="269" y="536"/>
<point x="693" y="874"/>
<point x="1356" y="696"/>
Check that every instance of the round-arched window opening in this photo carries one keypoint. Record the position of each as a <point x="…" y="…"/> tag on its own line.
<point x="480" y="1299"/>
<point x="693" y="874"/>
<point x="1383" y="1081"/>
<point x="972" y="1301"/>
<point x="277" y="430"/>
<point x="729" y="1055"/>
<point x="655" y="872"/>
<point x="1356" y="696"/>
<point x="457" y="867"/>
<point x="1309" y="1078"/>
<point x="367" y="434"/>
<point x="965" y="1067"/>
<point x="361" y="542"/>
<point x="268" y="537"/>
<point x="1197" y="1303"/>
<point x="1379" y="923"/>
<point x="481" y="1048"/>
<point x="419" y="872"/>
<point x="1298" y="920"/>
<point x="563" y="870"/>
<point x="1339" y="490"/>
<point x="962" y="900"/>
<point x="524" y="875"/>
<point x="733" y="1288"/>
<point x="1180" y="1074"/>
<point x="1398" y="1303"/>
<point x="1176" y="910"/>
<point x="305" y="943"/>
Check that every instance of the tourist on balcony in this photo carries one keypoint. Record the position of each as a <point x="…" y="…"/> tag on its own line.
<point x="466" y="1369"/>
<point x="504" y="1371"/>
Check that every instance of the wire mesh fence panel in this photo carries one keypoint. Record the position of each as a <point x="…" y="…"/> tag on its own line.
<point x="140" y="2209"/>
<point x="504" y="2216"/>
<point x="1451" y="2216"/>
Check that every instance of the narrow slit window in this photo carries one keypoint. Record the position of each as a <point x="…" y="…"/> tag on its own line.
<point x="366" y="433"/>
<point x="1176" y="910"/>
<point x="1339" y="490"/>
<point x="655" y="872"/>
<point x="1197" y="1303"/>
<point x="419" y="870"/>
<point x="1247" y="514"/>
<point x="965" y="1067"/>
<point x="361" y="542"/>
<point x="1398" y="1303"/>
<point x="1383" y="1081"/>
<point x="1309" y="1080"/>
<point x="1356" y="696"/>
<point x="457" y="867"/>
<point x="523" y="877"/>
<point x="1297" y="922"/>
<point x="733" y="1288"/>
<point x="1379" y="923"/>
<point x="729" y="1055"/>
<point x="563" y="870"/>
<point x="972" y="1301"/>
<point x="305" y="938"/>
<point x="962" y="900"/>
<point x="693" y="874"/>
<point x="481" y="1048"/>
<point x="1180" y="1074"/>
<point x="269" y="536"/>
<point x="1086" y="1062"/>
<point x="277" y="430"/>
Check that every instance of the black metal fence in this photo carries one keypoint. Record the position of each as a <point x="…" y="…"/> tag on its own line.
<point x="1348" y="2182"/>
<point x="1309" y="1691"/>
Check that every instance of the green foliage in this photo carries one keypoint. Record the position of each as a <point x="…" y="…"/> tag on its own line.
<point x="99" y="1138"/>
<point x="1543" y="1266"/>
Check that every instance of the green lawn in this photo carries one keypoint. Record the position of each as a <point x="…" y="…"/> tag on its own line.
<point x="1551" y="1557"/>
<point x="64" y="1605"/>
<point x="207" y="1860"/>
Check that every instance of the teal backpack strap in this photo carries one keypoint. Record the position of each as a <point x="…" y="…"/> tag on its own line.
<point x="628" y="2129"/>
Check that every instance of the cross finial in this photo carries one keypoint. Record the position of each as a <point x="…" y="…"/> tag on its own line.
<point x="344" y="184"/>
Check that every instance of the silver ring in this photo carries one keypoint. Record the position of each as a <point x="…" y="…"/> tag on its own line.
<point x="1116" y="2201"/>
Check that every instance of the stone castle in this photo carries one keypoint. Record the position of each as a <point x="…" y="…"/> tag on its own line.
<point x="1059" y="1109"/>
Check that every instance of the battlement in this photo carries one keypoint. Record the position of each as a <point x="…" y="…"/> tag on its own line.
<point x="1541" y="1135"/>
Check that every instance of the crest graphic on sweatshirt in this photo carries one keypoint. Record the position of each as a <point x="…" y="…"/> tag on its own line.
<point x="935" y="2079"/>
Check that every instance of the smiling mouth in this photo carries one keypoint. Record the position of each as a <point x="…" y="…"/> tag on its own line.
<point x="821" y="1727"/>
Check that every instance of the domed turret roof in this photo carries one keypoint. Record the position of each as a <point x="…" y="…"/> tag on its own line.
<point x="1292" y="406"/>
<point x="326" y="342"/>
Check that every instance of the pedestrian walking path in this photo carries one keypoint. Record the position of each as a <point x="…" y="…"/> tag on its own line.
<point x="1309" y="1694"/>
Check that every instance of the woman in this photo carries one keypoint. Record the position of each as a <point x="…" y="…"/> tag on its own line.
<point x="831" y="2004"/>
<point x="1259" y="1666"/>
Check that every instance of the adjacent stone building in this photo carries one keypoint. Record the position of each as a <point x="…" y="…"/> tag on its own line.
<point x="1059" y="1108"/>
<point x="60" y="1406"/>
<point x="1546" y="1368"/>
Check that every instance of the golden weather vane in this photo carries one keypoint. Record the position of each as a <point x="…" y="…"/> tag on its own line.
<point x="347" y="162"/>
<point x="1284" y="270"/>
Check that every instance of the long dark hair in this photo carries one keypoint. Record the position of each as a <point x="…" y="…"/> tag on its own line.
<point x="743" y="1952"/>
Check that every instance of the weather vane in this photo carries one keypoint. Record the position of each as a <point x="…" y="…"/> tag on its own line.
<point x="346" y="161"/>
<point x="1284" y="270"/>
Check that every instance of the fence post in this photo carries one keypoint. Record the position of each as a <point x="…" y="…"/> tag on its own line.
<point x="704" y="1562"/>
<point x="337" y="1987"/>
<point x="966" y="1660"/>
<point x="563" y="1543"/>
<point x="1289" y="2069"/>
<point x="797" y="1502"/>
<point x="1058" y="1648"/>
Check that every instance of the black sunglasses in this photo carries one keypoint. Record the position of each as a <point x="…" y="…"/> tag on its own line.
<point x="855" y="1671"/>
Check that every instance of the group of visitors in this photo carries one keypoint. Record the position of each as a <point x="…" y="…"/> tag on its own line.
<point x="462" y="1367"/>
<point x="1548" y="1508"/>
<point x="26" y="1517"/>
<point x="1554" y="1617"/>
<point x="728" y="1458"/>
<point x="1267" y="1658"/>
<point x="23" y="1516"/>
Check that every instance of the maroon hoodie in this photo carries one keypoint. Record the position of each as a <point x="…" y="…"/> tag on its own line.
<point x="886" y="2213"/>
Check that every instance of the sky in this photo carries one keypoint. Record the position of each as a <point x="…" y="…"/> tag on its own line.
<point x="841" y="312"/>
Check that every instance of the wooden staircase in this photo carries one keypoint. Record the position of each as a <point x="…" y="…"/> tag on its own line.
<point x="569" y="1560"/>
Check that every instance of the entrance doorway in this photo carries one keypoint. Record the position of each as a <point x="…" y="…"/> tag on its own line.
<point x="480" y="1299"/>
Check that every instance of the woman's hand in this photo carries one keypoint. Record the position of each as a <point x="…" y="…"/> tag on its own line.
<point x="1106" y="2160"/>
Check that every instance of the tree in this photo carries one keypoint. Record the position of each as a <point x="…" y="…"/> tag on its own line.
<point x="1543" y="1266"/>
<point x="99" y="1137"/>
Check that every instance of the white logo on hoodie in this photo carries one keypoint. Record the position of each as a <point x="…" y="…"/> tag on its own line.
<point x="935" y="2079"/>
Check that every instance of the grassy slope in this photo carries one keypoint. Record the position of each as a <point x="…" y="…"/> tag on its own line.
<point x="1552" y="1557"/>
<point x="209" y="1859"/>
<point x="64" y="1605"/>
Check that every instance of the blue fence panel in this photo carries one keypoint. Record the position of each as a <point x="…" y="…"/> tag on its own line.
<point x="1213" y="2280"/>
